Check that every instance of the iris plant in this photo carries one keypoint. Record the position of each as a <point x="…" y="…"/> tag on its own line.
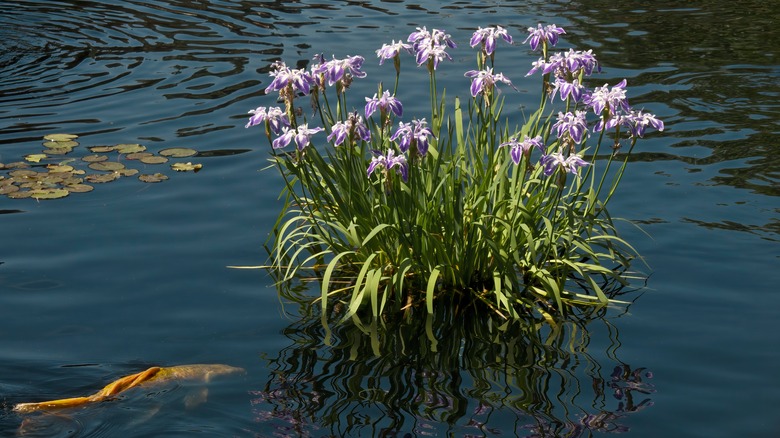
<point x="466" y="219"/>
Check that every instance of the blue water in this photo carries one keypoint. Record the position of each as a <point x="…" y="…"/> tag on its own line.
<point x="103" y="284"/>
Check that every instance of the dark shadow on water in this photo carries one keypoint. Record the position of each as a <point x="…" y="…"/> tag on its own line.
<point x="447" y="375"/>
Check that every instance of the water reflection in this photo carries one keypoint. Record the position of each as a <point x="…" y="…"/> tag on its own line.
<point x="465" y="375"/>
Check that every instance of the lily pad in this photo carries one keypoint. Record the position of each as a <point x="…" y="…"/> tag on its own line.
<point x="184" y="167"/>
<point x="106" y="166"/>
<point x="35" y="158"/>
<point x="138" y="155"/>
<point x="59" y="168"/>
<point x="127" y="172"/>
<point x="21" y="194"/>
<point x="94" y="158"/>
<point x="52" y="193"/>
<point x="59" y="151"/>
<point x="60" y="144"/>
<point x="101" y="149"/>
<point x="178" y="152"/>
<point x="23" y="174"/>
<point x="79" y="188"/>
<point x="60" y="137"/>
<point x="102" y="178"/>
<point x="129" y="148"/>
<point x="153" y="160"/>
<point x="8" y="188"/>
<point x="155" y="178"/>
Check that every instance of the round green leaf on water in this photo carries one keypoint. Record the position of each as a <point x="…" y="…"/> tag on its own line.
<point x="153" y="160"/>
<point x="35" y="158"/>
<point x="129" y="148"/>
<point x="127" y="172"/>
<point x="184" y="167"/>
<point x="101" y="149"/>
<point x="60" y="144"/>
<point x="157" y="177"/>
<point x="138" y="155"/>
<point x="48" y="193"/>
<point x="8" y="188"/>
<point x="102" y="178"/>
<point x="59" y="151"/>
<point x="21" y="194"/>
<point x="60" y="137"/>
<point x="79" y="188"/>
<point x="106" y="166"/>
<point x="178" y="152"/>
<point x="94" y="158"/>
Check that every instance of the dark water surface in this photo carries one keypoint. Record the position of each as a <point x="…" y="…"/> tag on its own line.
<point x="102" y="284"/>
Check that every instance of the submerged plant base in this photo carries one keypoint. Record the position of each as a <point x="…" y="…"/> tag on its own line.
<point x="466" y="208"/>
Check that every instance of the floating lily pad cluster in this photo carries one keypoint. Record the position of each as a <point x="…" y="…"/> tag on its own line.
<point x="49" y="175"/>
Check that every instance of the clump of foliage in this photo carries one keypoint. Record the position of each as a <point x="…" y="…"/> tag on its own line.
<point x="465" y="206"/>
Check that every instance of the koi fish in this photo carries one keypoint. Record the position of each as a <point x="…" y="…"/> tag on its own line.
<point x="153" y="375"/>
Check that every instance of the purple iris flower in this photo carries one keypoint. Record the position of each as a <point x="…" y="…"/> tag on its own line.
<point x="354" y="124"/>
<point x="415" y="133"/>
<point x="639" y="121"/>
<point x="570" y="164"/>
<point x="335" y="69"/>
<point x="603" y="97"/>
<point x="539" y="35"/>
<point x="483" y="80"/>
<point x="384" y="103"/>
<point x="390" y="51"/>
<point x="488" y="36"/>
<point x="302" y="136"/>
<point x="572" y="123"/>
<point x="520" y="148"/>
<point x="567" y="65"/>
<point x="301" y="80"/>
<point x="273" y="115"/>
<point x="430" y="45"/>
<point x="389" y="161"/>
<point x="568" y="89"/>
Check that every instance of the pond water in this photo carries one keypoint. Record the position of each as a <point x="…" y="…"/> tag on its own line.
<point x="103" y="284"/>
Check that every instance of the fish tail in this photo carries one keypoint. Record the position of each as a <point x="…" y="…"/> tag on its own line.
<point x="52" y="404"/>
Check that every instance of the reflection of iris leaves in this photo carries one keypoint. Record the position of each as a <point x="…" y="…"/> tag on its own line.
<point x="448" y="374"/>
<point x="46" y="175"/>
